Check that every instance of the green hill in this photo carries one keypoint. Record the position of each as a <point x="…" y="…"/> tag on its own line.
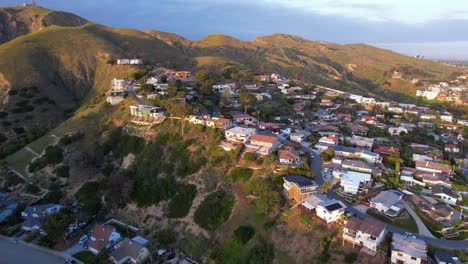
<point x="52" y="62"/>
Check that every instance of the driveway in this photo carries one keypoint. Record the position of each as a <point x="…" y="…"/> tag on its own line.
<point x="74" y="249"/>
<point x="421" y="226"/>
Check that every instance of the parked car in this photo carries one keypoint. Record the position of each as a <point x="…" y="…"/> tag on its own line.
<point x="410" y="234"/>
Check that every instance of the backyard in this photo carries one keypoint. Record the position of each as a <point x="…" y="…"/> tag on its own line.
<point x="403" y="221"/>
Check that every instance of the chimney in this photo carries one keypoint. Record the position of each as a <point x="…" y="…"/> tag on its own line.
<point x="427" y="163"/>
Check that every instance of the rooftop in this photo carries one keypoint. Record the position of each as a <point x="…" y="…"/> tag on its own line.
<point x="264" y="138"/>
<point x="387" y="198"/>
<point x="409" y="245"/>
<point x="367" y="226"/>
<point x="300" y="181"/>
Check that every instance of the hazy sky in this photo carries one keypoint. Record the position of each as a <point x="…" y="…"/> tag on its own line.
<point x="402" y="25"/>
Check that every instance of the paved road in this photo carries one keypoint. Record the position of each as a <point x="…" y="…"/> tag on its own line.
<point x="422" y="228"/>
<point x="20" y="253"/>
<point x="316" y="167"/>
<point x="131" y="90"/>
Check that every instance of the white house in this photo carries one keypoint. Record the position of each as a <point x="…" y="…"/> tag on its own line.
<point x="330" y="211"/>
<point x="366" y="233"/>
<point x="387" y="200"/>
<point x="118" y="84"/>
<point x="352" y="181"/>
<point x="447" y="118"/>
<point x="152" y="80"/>
<point x="263" y="144"/>
<point x="136" y="61"/>
<point x="299" y="137"/>
<point x="430" y="95"/>
<point x="239" y="134"/>
<point x="362" y="142"/>
<point x="445" y="194"/>
<point x="427" y="116"/>
<point x="396" y="131"/>
<point x="33" y="215"/>
<point x="129" y="251"/>
<point x="406" y="249"/>
<point x="123" y="61"/>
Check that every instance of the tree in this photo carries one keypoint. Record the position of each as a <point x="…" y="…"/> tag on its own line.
<point x="204" y="81"/>
<point x="246" y="98"/>
<point x="55" y="225"/>
<point x="327" y="154"/>
<point x="325" y="186"/>
<point x="262" y="253"/>
<point x="147" y="88"/>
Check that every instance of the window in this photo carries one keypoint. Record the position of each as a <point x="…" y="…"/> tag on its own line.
<point x="372" y="237"/>
<point x="413" y="258"/>
<point x="400" y="255"/>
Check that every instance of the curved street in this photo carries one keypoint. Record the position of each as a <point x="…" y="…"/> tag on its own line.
<point x="424" y="233"/>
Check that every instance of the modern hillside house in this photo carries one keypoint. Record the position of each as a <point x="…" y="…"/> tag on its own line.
<point x="298" y="187"/>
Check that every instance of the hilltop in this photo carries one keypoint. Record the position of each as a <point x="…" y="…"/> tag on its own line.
<point x="19" y="21"/>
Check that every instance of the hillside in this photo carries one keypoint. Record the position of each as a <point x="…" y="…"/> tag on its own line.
<point x="52" y="62"/>
<point x="19" y="21"/>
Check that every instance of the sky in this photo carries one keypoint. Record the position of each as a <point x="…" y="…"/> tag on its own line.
<point x="432" y="28"/>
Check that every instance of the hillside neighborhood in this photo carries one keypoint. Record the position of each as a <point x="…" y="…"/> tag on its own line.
<point x="391" y="175"/>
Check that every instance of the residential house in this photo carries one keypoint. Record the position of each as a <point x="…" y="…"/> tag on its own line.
<point x="438" y="213"/>
<point x="442" y="257"/>
<point x="345" y="117"/>
<point x="330" y="211"/>
<point x="136" y="61"/>
<point x="428" y="117"/>
<point x="7" y="208"/>
<point x="34" y="214"/>
<point x="372" y="120"/>
<point x="180" y="74"/>
<point x="407" y="249"/>
<point x="389" y="151"/>
<point x="299" y="137"/>
<point x="288" y="156"/>
<point x="448" y="126"/>
<point x="244" y="119"/>
<point x="206" y="120"/>
<point x="298" y="187"/>
<point x="388" y="202"/>
<point x="446" y="118"/>
<point x="395" y="109"/>
<point x="311" y="202"/>
<point x="114" y="97"/>
<point x="446" y="194"/>
<point x="263" y="144"/>
<point x="129" y="251"/>
<point x="351" y="181"/>
<point x="451" y="148"/>
<point x="433" y="167"/>
<point x="225" y="88"/>
<point x="239" y="134"/>
<point x="432" y="178"/>
<point x="396" y="131"/>
<point x="330" y="140"/>
<point x="102" y="236"/>
<point x="359" y="130"/>
<point x="118" y="84"/>
<point x="124" y="61"/>
<point x="362" y="142"/>
<point x="366" y="233"/>
<point x="145" y="114"/>
<point x="356" y="165"/>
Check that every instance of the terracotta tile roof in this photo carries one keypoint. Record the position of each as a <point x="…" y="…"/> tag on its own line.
<point x="101" y="235"/>
<point x="287" y="155"/>
<point x="264" y="138"/>
<point x="387" y="150"/>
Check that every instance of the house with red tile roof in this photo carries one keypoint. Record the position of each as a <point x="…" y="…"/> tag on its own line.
<point x="390" y="151"/>
<point x="263" y="144"/>
<point x="451" y="148"/>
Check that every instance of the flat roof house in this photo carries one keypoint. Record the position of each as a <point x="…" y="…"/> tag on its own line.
<point x="264" y="144"/>
<point x="406" y="249"/>
<point x="365" y="233"/>
<point x="362" y="142"/>
<point x="352" y="181"/>
<point x="446" y="194"/>
<point x="244" y="119"/>
<point x="239" y="134"/>
<point x="145" y="114"/>
<point x="298" y="187"/>
<point x="356" y="165"/>
<point x="129" y="251"/>
<point x="330" y="211"/>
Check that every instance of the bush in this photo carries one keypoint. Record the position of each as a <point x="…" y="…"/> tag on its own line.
<point x="89" y="196"/>
<point x="243" y="234"/>
<point x="68" y="139"/>
<point x="22" y="140"/>
<point x="307" y="220"/>
<point x="262" y="253"/>
<point x="63" y="171"/>
<point x="241" y="174"/>
<point x="351" y="257"/>
<point x="165" y="237"/>
<point x="327" y="154"/>
<point x="214" y="210"/>
<point x="180" y="204"/>
<point x="53" y="155"/>
<point x="33" y="189"/>
<point x="250" y="156"/>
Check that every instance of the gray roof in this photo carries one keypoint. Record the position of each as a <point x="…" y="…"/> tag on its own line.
<point x="126" y="248"/>
<point x="300" y="180"/>
<point x="387" y="198"/>
<point x="38" y="209"/>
